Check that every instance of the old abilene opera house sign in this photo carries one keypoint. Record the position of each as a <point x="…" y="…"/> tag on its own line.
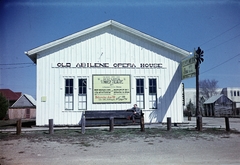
<point x="108" y="65"/>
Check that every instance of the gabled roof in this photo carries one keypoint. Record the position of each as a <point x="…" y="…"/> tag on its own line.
<point x="33" y="52"/>
<point x="214" y="98"/>
<point x="25" y="101"/>
<point x="10" y="95"/>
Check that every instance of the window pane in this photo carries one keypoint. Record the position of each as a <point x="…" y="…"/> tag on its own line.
<point x="154" y="82"/>
<point x="142" y="90"/>
<point x="140" y="82"/>
<point x="80" y="90"/>
<point x="71" y="82"/>
<point x="69" y="86"/>
<point x="71" y="90"/>
<point x="140" y="86"/>
<point x="138" y="90"/>
<point x="84" y="90"/>
<point x="150" y="90"/>
<point x="150" y="82"/>
<point x="82" y="82"/>
<point x="152" y="86"/>
<point x="82" y="86"/>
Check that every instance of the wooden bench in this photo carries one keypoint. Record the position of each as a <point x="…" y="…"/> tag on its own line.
<point x="110" y="118"/>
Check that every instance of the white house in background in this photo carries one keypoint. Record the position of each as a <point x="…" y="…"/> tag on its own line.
<point x="232" y="93"/>
<point x="109" y="66"/>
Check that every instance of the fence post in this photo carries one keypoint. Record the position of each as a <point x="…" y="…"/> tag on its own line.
<point x="142" y="124"/>
<point x="83" y="121"/>
<point x="199" y="126"/>
<point x="50" y="126"/>
<point x="189" y="115"/>
<point x="111" y="124"/>
<point x="227" y="124"/>
<point x="19" y="126"/>
<point x="169" y="123"/>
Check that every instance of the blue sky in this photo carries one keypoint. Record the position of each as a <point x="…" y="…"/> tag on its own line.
<point x="214" y="25"/>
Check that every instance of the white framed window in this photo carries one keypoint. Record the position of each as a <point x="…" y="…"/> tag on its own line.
<point x="82" y="93"/>
<point x="69" y="94"/>
<point x="140" y="92"/>
<point x="152" y="86"/>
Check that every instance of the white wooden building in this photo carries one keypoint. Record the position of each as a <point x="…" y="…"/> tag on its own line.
<point x="109" y="66"/>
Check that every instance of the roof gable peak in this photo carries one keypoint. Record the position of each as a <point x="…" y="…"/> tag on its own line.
<point x="32" y="53"/>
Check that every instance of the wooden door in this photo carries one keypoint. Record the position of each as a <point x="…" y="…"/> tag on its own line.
<point x="28" y="113"/>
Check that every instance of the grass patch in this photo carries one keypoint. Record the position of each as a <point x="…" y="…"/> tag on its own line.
<point x="98" y="136"/>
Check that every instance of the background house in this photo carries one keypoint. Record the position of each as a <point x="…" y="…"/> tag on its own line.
<point x="23" y="108"/>
<point x="20" y="105"/>
<point x="218" y="105"/>
<point x="232" y="93"/>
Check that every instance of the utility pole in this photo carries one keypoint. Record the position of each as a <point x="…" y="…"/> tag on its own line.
<point x="199" y="58"/>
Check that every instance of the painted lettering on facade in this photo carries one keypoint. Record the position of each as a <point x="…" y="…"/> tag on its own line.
<point x="108" y="65"/>
<point x="63" y="65"/>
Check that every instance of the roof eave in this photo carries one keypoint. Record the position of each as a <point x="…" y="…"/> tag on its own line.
<point x="151" y="39"/>
<point x="67" y="38"/>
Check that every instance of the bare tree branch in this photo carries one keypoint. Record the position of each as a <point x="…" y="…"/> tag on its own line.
<point x="208" y="88"/>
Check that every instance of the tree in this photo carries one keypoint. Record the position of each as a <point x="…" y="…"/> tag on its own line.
<point x="208" y="88"/>
<point x="3" y="106"/>
<point x="190" y="108"/>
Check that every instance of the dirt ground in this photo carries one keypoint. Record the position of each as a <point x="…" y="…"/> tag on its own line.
<point x="183" y="145"/>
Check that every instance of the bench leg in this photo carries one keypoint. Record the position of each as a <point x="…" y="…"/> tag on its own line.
<point x="111" y="124"/>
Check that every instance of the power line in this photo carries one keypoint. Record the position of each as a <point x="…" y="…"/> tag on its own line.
<point x="220" y="64"/>
<point x="17" y="67"/>
<point x="219" y="34"/>
<point x="17" y="64"/>
<point x="223" y="42"/>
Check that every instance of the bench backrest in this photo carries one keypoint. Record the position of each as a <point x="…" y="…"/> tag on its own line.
<point x="107" y="113"/>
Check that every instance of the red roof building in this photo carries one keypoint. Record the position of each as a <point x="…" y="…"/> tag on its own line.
<point x="11" y="96"/>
